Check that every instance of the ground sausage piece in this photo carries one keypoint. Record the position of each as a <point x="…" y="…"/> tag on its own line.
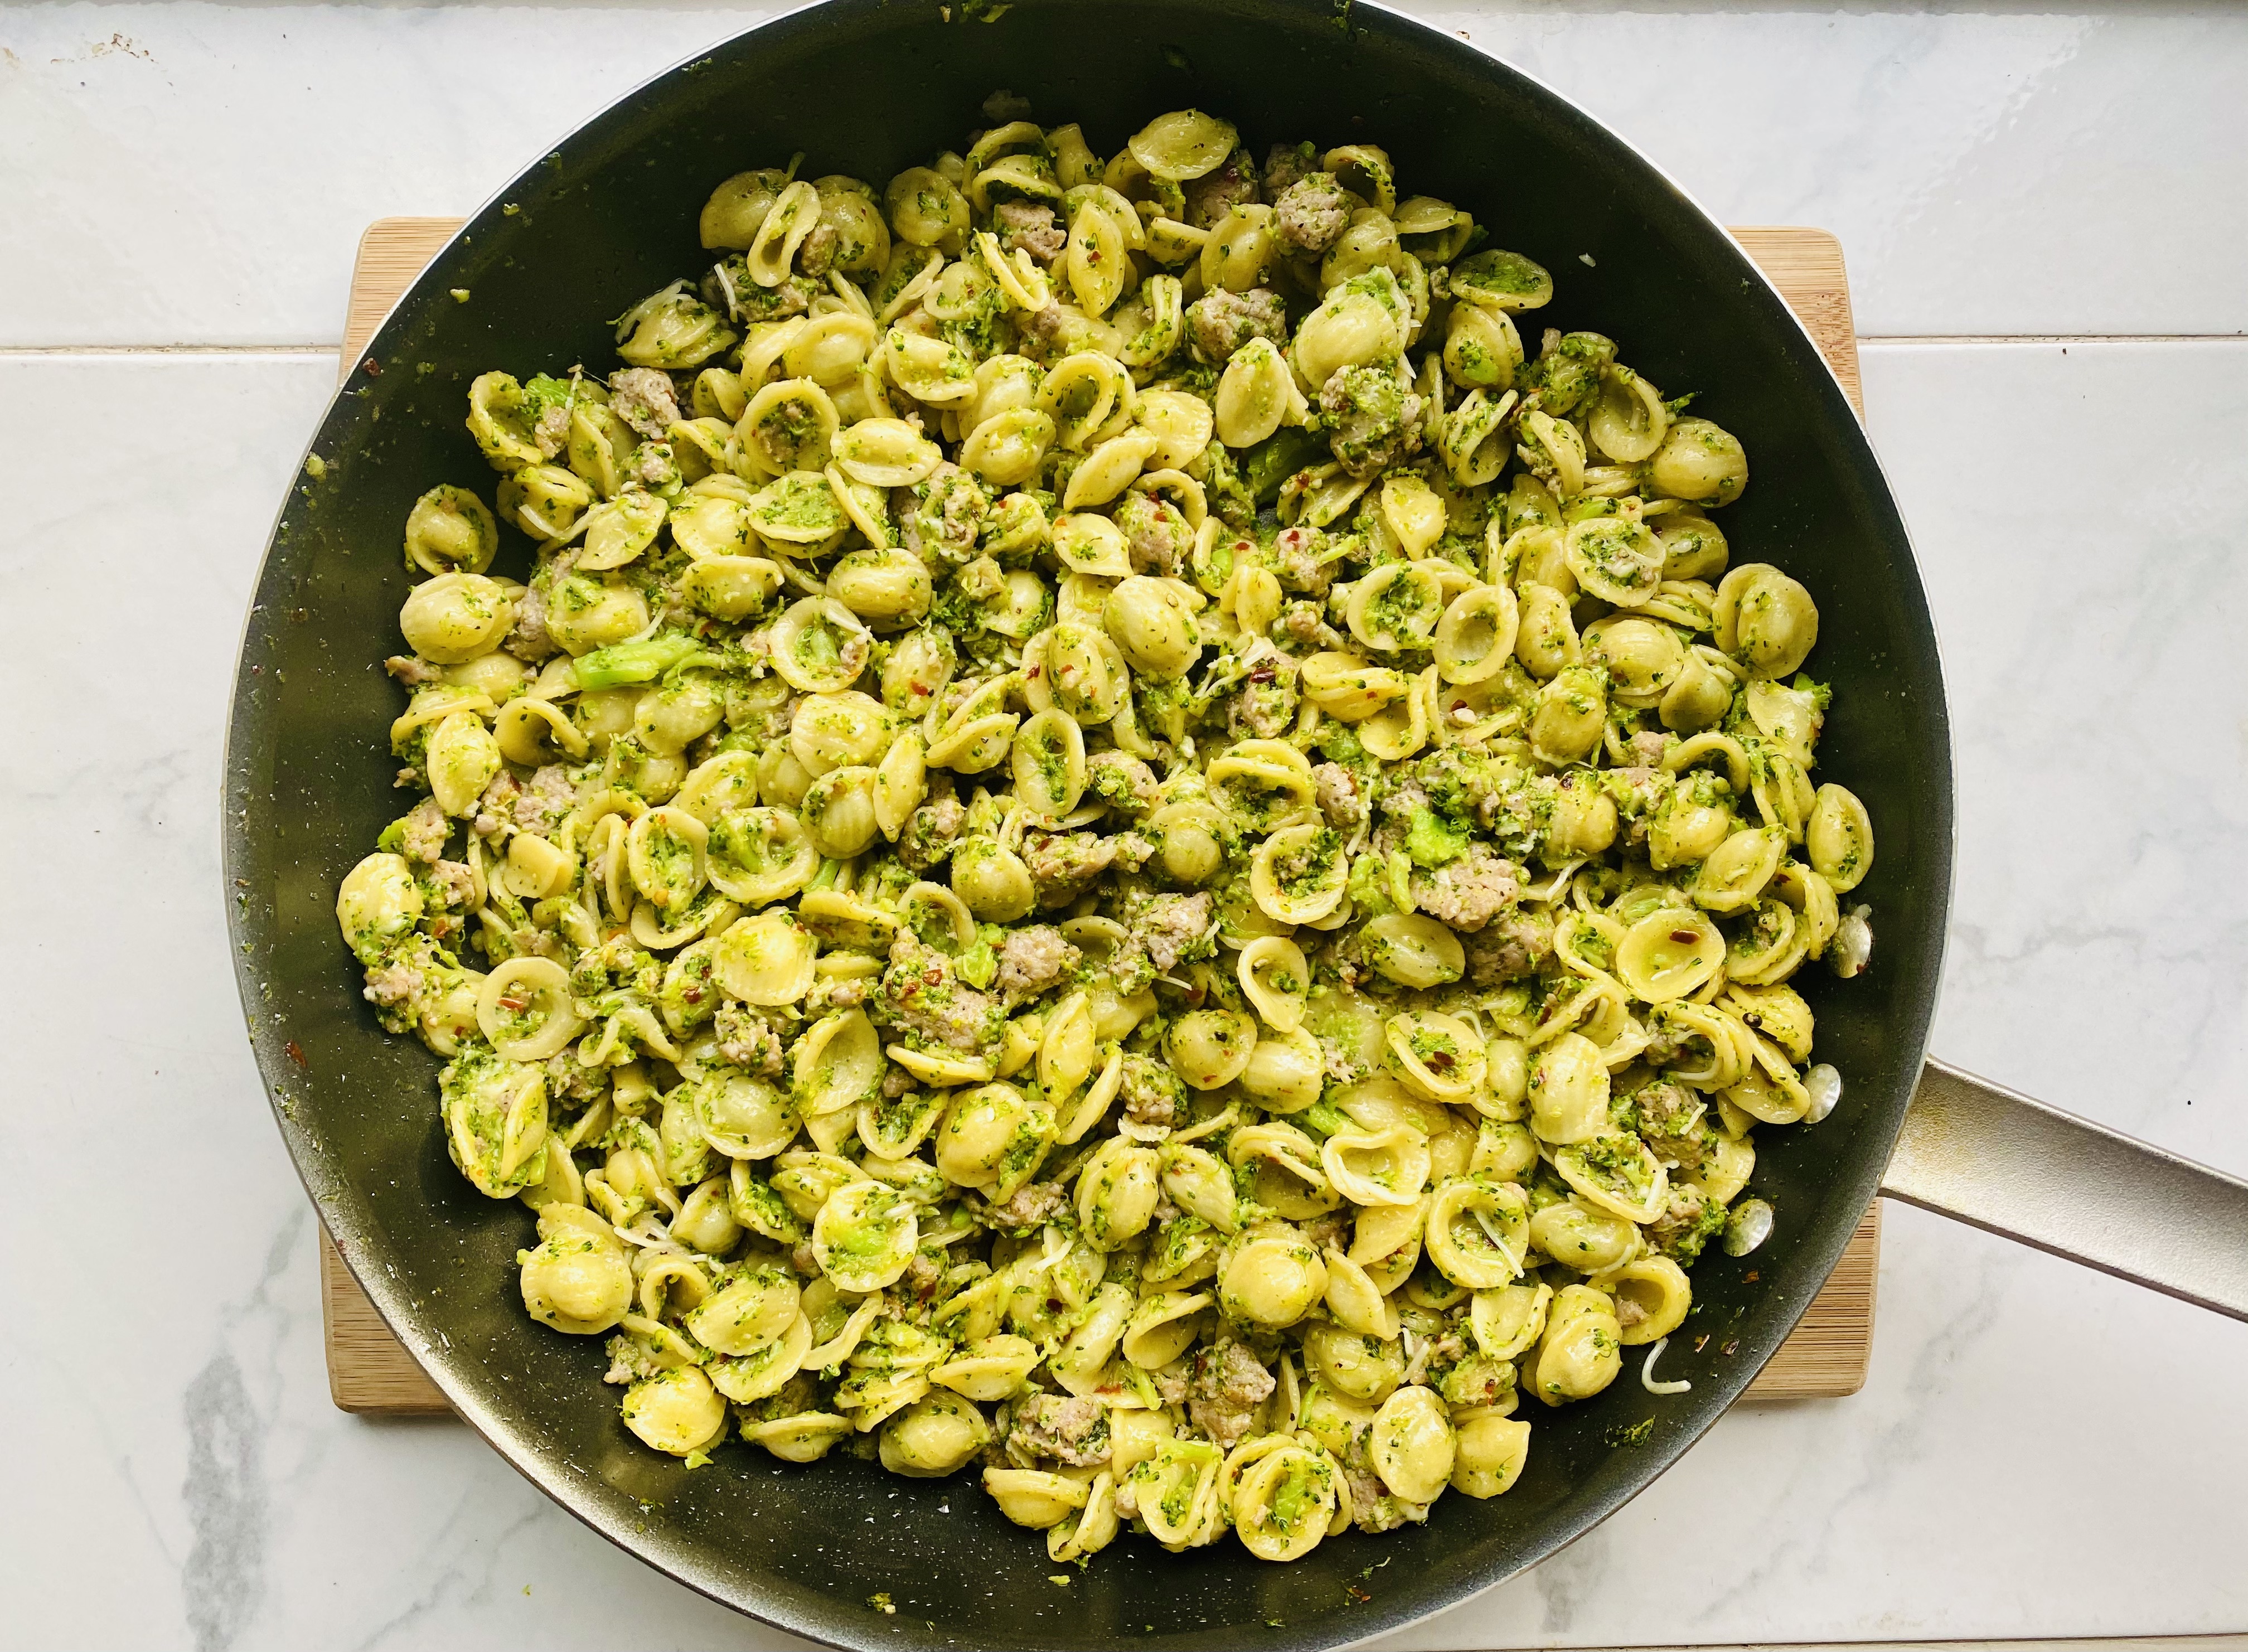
<point x="748" y="1040"/>
<point x="1215" y="193"/>
<point x="1072" y="1431"/>
<point x="1330" y="1229"/>
<point x="1375" y="420"/>
<point x="1028" y="1206"/>
<point x="1120" y="779"/>
<point x="1285" y="163"/>
<point x="1340" y="796"/>
<point x="455" y="883"/>
<point x="393" y="983"/>
<point x="1647" y="747"/>
<point x="1509" y="948"/>
<point x="920" y="994"/>
<point x="571" y="1082"/>
<point x="817" y="255"/>
<point x="1031" y="226"/>
<point x="527" y="640"/>
<point x="1311" y="213"/>
<point x="1686" y="1224"/>
<point x="1033" y="959"/>
<point x="1303" y="561"/>
<point x="1043" y="331"/>
<point x="1169" y="925"/>
<point x="1468" y="893"/>
<point x="921" y="1277"/>
<point x="941" y="517"/>
<point x="495" y="808"/>
<point x="1228" y="1384"/>
<point x="1152" y="1093"/>
<point x="1220" y="323"/>
<point x="411" y="672"/>
<point x="1300" y="622"/>
<point x="550" y="433"/>
<point x="644" y="399"/>
<point x="1156" y="532"/>
<point x="425" y="830"/>
<point x="541" y="806"/>
<point x="1064" y="864"/>
<point x="1265" y="709"/>
<point x="931" y="832"/>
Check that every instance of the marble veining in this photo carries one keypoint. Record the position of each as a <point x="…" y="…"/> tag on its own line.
<point x="2038" y="1450"/>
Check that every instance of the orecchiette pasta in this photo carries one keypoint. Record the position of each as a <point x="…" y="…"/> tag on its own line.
<point x="1111" y="827"/>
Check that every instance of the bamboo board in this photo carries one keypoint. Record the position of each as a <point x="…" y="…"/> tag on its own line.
<point x="369" y="1371"/>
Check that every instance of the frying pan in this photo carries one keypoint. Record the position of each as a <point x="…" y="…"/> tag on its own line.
<point x="866" y="87"/>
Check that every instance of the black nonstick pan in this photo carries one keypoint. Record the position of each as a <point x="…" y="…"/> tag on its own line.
<point x="866" y="87"/>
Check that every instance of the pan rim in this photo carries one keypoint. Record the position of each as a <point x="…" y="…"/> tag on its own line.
<point x="345" y="1214"/>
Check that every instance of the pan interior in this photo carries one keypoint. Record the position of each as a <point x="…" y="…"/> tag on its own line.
<point x="866" y="88"/>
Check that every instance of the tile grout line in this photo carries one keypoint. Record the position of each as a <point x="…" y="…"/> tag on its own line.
<point x="1869" y="341"/>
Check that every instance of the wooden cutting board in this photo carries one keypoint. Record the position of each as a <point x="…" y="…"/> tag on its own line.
<point x="370" y="1371"/>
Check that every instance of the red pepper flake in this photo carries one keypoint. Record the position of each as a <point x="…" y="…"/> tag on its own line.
<point x="693" y="995"/>
<point x="1032" y="675"/>
<point x="1358" y="1596"/>
<point x="295" y="1053"/>
<point x="1750" y="1278"/>
<point x="933" y="975"/>
<point x="511" y="1003"/>
<point x="1685" y="938"/>
<point x="1263" y="673"/>
<point x="371" y="367"/>
<point x="1728" y="1349"/>
<point x="921" y="688"/>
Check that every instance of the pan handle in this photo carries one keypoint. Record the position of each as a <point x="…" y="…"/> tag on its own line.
<point x="1994" y="1158"/>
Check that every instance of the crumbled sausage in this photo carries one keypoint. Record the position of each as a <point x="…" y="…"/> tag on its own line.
<point x="1305" y="562"/>
<point x="1152" y="1093"/>
<point x="411" y="672"/>
<point x="748" y="1040"/>
<point x="644" y="399"/>
<point x="528" y="640"/>
<point x="931" y="832"/>
<point x="1265" y="708"/>
<point x="1468" y="893"/>
<point x="456" y="885"/>
<point x="1067" y="1430"/>
<point x="1221" y="322"/>
<point x="1340" y="799"/>
<point x="1029" y="225"/>
<point x="1028" y="1206"/>
<point x="941" y="517"/>
<point x="1032" y="959"/>
<point x="1373" y="419"/>
<point x="1311" y="213"/>
<point x="1508" y="948"/>
<point x="1156" y="531"/>
<point x="424" y="831"/>
<point x="1170" y="926"/>
<point x="1300" y="623"/>
<point x="1064" y="864"/>
<point x="1216" y="193"/>
<point x="1127" y="784"/>
<point x="921" y="996"/>
<point x="1229" y="1384"/>
<point x="541" y="806"/>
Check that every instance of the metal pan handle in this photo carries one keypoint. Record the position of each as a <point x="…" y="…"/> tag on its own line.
<point x="1992" y="1157"/>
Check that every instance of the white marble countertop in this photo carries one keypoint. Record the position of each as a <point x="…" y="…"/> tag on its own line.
<point x="2042" y="210"/>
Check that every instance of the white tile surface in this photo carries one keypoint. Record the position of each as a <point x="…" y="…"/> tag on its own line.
<point x="193" y="173"/>
<point x="2039" y="1450"/>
